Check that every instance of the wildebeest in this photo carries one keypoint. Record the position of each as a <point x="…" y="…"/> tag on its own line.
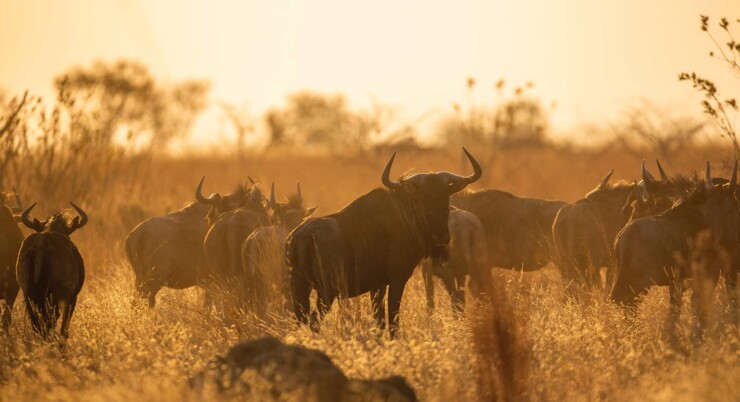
<point x="263" y="253"/>
<point x="298" y="373"/>
<point x="374" y="242"/>
<point x="50" y="269"/>
<point x="466" y="256"/>
<point x="583" y="232"/>
<point x="167" y="251"/>
<point x="10" y="242"/>
<point x="656" y="250"/>
<point x="228" y="230"/>
<point x="518" y="230"/>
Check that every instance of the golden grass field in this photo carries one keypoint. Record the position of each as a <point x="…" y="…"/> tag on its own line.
<point x="550" y="348"/>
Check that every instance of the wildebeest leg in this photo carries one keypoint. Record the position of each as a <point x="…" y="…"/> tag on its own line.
<point x="594" y="273"/>
<point x="300" y="288"/>
<point x="148" y="291"/>
<point x="69" y="309"/>
<point x="8" y="309"/>
<point x="207" y="299"/>
<point x="34" y="314"/>
<point x="457" y="294"/>
<point x="428" y="286"/>
<point x="731" y="285"/>
<point x="377" y="297"/>
<point x="42" y="316"/>
<point x="676" y="294"/>
<point x="323" y="304"/>
<point x="395" y="292"/>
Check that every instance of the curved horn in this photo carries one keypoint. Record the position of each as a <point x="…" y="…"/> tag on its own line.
<point x="477" y="170"/>
<point x="663" y="175"/>
<point x="708" y="178"/>
<point x="18" y="203"/>
<point x="733" y="178"/>
<point x="605" y="181"/>
<point x="273" y="202"/>
<point x="646" y="176"/>
<point x="643" y="193"/>
<point x="199" y="194"/>
<point x="385" y="178"/>
<point x="299" y="196"/>
<point x="83" y="217"/>
<point x="35" y="225"/>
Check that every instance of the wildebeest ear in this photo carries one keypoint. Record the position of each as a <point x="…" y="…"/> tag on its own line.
<point x="309" y="211"/>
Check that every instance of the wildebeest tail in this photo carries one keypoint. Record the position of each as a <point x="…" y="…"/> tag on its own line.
<point x="130" y="254"/>
<point x="37" y="289"/>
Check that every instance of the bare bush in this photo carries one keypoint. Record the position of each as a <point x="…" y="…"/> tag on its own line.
<point x="59" y="153"/>
<point x="646" y="125"/>
<point x="124" y="96"/>
<point x="722" y="109"/>
<point x="518" y="119"/>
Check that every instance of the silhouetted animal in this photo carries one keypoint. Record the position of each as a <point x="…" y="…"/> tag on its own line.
<point x="374" y="242"/>
<point x="50" y="270"/>
<point x="10" y="242"/>
<point x="228" y="230"/>
<point x="654" y="251"/>
<point x="466" y="257"/>
<point x="167" y="251"/>
<point x="518" y="230"/>
<point x="263" y="253"/>
<point x="299" y="372"/>
<point x="583" y="233"/>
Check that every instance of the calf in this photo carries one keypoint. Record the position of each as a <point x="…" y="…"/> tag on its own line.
<point x="466" y="256"/>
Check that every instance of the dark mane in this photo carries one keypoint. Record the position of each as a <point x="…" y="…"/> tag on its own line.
<point x="293" y="202"/>
<point x="241" y="190"/>
<point x="694" y="198"/>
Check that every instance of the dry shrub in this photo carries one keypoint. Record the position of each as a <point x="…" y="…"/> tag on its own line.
<point x="499" y="337"/>
<point x="554" y="349"/>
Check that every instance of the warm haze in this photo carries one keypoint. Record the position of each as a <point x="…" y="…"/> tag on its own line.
<point x="589" y="58"/>
<point x="369" y="201"/>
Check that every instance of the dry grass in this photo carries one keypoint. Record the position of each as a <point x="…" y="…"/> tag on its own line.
<point x="531" y="344"/>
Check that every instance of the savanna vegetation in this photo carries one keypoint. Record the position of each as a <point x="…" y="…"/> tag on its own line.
<point x="102" y="143"/>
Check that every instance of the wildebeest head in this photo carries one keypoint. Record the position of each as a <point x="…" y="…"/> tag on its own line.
<point x="59" y="222"/>
<point x="719" y="204"/>
<point x="652" y="196"/>
<point x="289" y="213"/>
<point x="432" y="191"/>
<point x="241" y="197"/>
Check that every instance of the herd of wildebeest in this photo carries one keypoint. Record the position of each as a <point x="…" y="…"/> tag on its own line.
<point x="652" y="232"/>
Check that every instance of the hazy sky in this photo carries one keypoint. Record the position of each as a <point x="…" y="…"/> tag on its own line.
<point x="591" y="57"/>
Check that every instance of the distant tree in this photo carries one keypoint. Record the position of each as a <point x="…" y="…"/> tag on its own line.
<point x="123" y="95"/>
<point x="241" y="121"/>
<point x="316" y="119"/>
<point x="647" y="125"/>
<point x="721" y="108"/>
<point x="518" y="119"/>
